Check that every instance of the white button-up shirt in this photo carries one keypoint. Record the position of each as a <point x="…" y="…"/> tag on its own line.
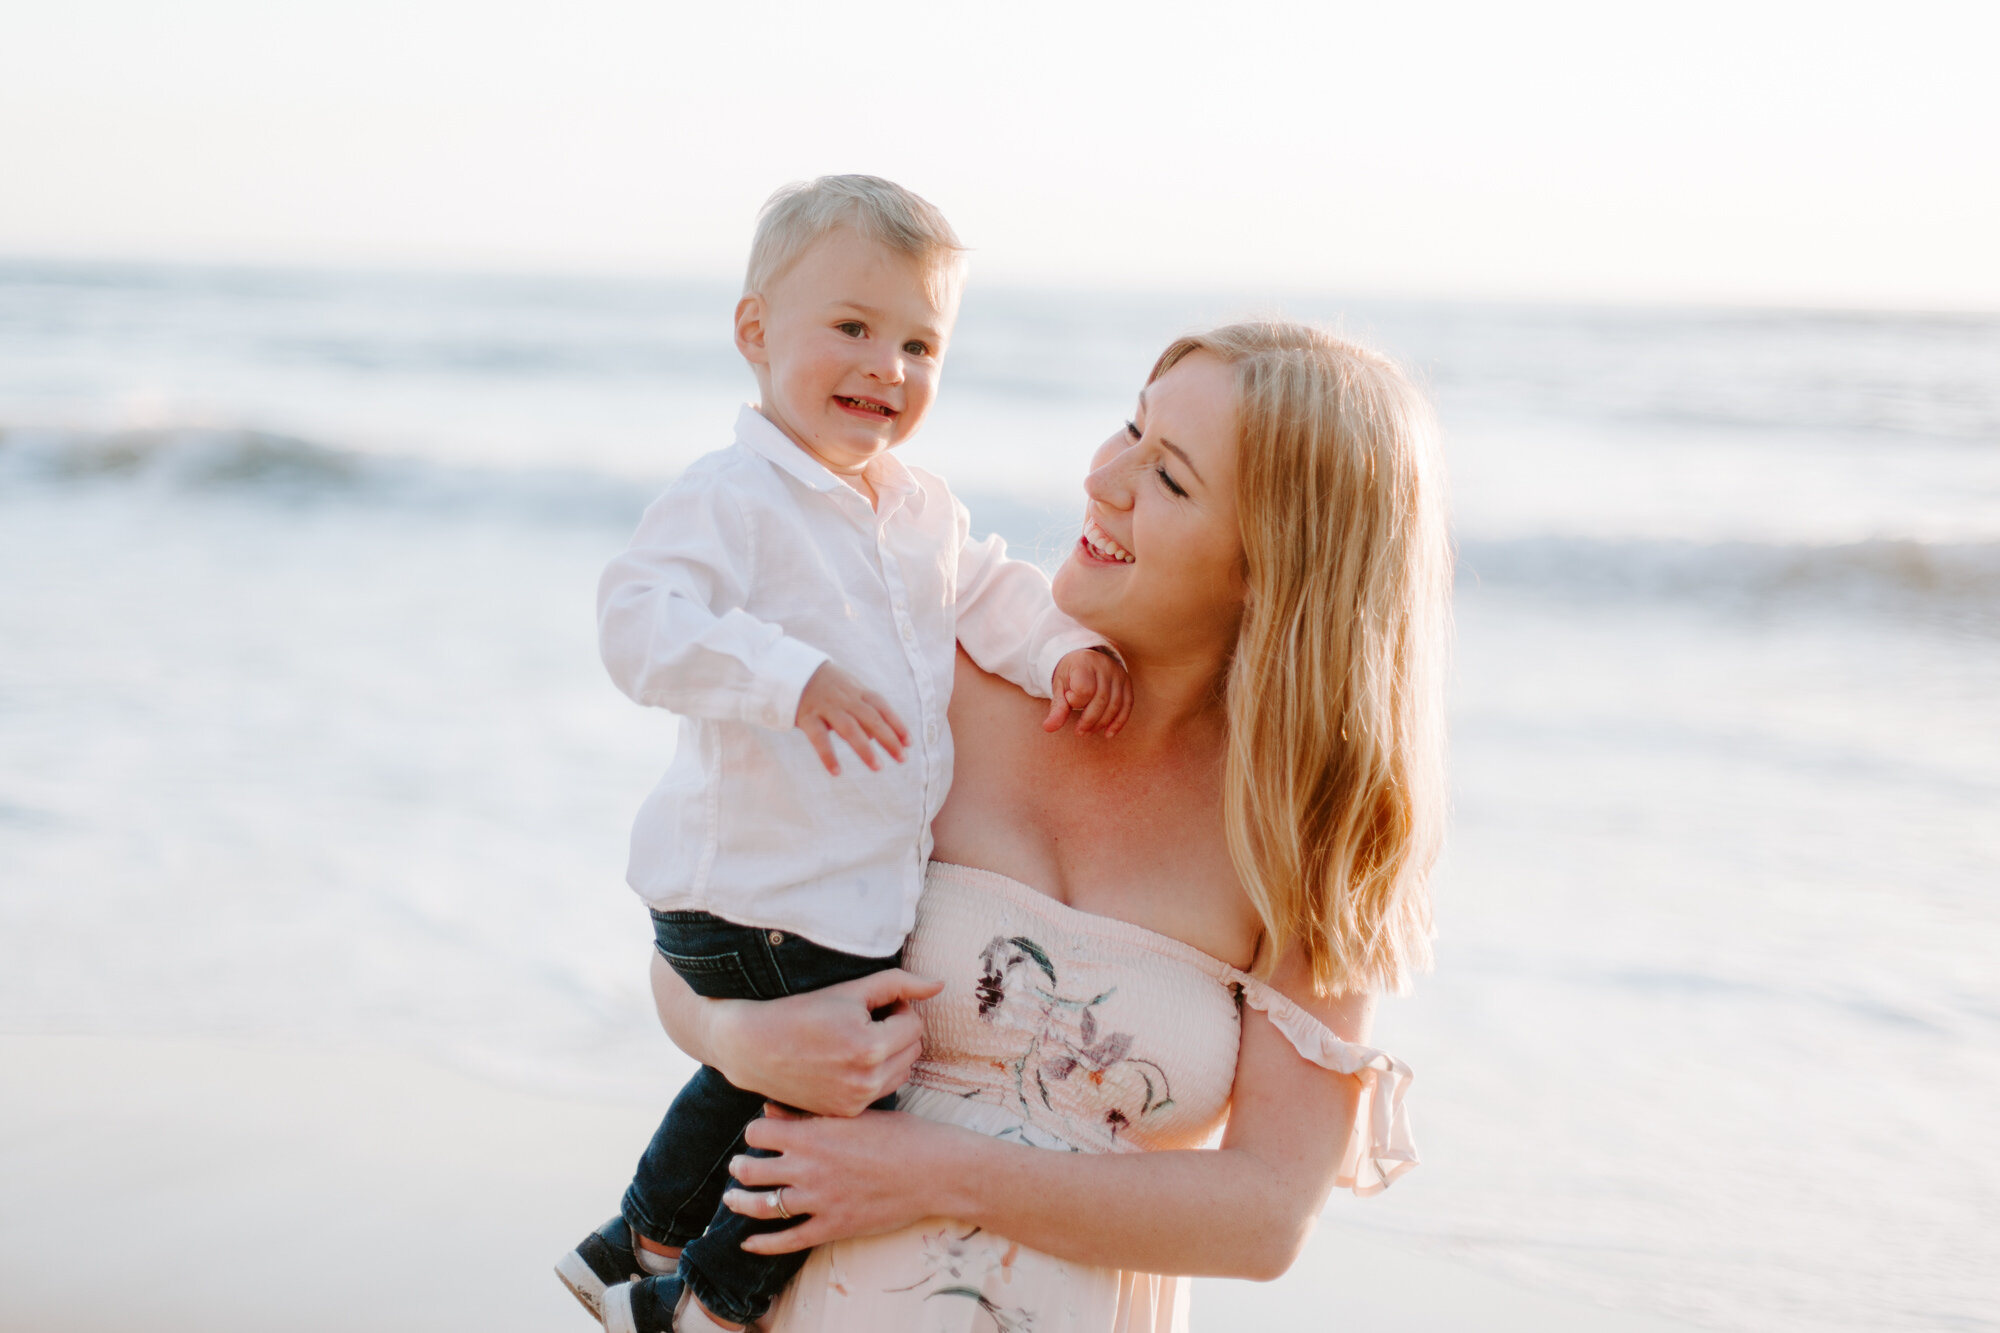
<point x="756" y="566"/>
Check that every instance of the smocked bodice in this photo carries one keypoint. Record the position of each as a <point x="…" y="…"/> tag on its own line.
<point x="1062" y="1028"/>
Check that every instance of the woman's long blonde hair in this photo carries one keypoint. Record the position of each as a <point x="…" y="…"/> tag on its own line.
<point x="1335" y="795"/>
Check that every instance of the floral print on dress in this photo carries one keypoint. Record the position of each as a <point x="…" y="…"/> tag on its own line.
<point x="1066" y="1042"/>
<point x="962" y="1266"/>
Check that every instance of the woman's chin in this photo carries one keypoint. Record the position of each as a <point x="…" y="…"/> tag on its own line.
<point x="1071" y="594"/>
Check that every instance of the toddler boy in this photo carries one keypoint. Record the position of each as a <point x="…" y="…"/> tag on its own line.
<point x="798" y="586"/>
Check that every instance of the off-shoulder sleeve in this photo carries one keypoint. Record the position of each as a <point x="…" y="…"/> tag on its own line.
<point x="1381" y="1147"/>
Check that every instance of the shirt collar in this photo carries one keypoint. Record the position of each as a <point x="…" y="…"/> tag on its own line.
<point x="761" y="436"/>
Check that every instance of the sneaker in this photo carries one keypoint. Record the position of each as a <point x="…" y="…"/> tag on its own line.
<point x="648" y="1305"/>
<point x="658" y="1305"/>
<point x="602" y="1259"/>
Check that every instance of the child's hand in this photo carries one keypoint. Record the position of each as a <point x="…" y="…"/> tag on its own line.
<point x="1094" y="682"/>
<point x="834" y="704"/>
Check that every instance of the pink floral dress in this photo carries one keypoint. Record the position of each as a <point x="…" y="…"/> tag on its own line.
<point x="1068" y="1031"/>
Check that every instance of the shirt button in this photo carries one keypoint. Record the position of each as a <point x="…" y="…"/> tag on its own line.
<point x="909" y="633"/>
<point x="930" y="733"/>
<point x="777" y="937"/>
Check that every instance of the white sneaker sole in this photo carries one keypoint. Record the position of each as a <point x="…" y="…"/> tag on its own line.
<point x="617" y="1311"/>
<point x="586" y="1286"/>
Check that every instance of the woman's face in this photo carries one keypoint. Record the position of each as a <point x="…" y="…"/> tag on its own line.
<point x="1159" y="568"/>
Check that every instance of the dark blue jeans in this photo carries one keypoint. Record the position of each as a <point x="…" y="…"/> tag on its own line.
<point x="676" y="1194"/>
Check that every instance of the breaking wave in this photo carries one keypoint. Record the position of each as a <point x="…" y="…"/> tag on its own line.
<point x="1959" y="580"/>
<point x="276" y="467"/>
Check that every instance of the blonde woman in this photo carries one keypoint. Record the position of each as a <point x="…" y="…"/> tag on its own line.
<point x="1130" y="946"/>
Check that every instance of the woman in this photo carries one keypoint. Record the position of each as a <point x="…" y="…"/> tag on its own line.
<point x="1143" y="938"/>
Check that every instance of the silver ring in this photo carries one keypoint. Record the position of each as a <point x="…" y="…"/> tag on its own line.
<point x="778" y="1202"/>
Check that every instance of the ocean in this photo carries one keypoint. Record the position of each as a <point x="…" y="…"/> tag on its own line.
<point x="303" y="736"/>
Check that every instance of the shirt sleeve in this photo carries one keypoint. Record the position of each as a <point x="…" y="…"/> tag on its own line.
<point x="1007" y="617"/>
<point x="670" y="622"/>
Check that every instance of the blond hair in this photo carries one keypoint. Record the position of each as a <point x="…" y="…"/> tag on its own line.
<point x="800" y="214"/>
<point x="1334" y="781"/>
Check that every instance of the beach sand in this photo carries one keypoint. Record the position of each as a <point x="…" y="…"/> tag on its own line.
<point x="197" y="1184"/>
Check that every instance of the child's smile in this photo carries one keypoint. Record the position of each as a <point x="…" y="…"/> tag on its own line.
<point x="867" y="406"/>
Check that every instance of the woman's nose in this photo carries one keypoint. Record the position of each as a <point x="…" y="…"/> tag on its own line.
<point x="1110" y="483"/>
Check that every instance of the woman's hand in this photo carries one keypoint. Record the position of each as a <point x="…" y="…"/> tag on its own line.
<point x="863" y="1176"/>
<point x="832" y="1051"/>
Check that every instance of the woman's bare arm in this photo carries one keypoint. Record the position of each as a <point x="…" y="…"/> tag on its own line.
<point x="1241" y="1211"/>
<point x="825" y="1052"/>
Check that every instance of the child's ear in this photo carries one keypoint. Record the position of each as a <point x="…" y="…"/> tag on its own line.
<point x="750" y="329"/>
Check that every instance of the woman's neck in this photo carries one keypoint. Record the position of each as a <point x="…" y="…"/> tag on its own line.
<point x="1175" y="701"/>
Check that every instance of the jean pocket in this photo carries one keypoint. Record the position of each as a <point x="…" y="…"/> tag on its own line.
<point x="715" y="976"/>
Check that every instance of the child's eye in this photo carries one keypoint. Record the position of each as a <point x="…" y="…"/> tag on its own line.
<point x="851" y="327"/>
<point x="1170" y="483"/>
<point x="915" y="348"/>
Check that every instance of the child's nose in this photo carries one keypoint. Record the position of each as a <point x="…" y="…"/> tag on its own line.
<point x="888" y="365"/>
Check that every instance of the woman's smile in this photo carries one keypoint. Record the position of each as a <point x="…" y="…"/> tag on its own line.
<point x="1099" y="547"/>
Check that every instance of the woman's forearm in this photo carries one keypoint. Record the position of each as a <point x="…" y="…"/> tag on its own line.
<point x="1219" y="1213"/>
<point x="1241" y="1210"/>
<point x="685" y="1015"/>
<point x="832" y="1051"/>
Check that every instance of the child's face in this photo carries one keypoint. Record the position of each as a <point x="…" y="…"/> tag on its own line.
<point x="847" y="347"/>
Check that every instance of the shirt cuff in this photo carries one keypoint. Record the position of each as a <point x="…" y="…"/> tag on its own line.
<point x="1054" y="651"/>
<point x="782" y="671"/>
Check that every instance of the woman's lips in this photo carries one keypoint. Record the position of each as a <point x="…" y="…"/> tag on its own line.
<point x="1101" y="547"/>
<point x="1090" y="557"/>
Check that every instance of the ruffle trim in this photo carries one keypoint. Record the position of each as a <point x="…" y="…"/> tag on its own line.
<point x="1381" y="1147"/>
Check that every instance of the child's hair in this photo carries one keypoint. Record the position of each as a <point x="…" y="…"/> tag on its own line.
<point x="800" y="214"/>
<point x="1334" y="782"/>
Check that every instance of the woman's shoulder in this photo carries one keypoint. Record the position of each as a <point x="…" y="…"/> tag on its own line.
<point x="994" y="727"/>
<point x="989" y="707"/>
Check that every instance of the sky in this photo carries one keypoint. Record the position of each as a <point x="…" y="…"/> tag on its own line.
<point x="1825" y="154"/>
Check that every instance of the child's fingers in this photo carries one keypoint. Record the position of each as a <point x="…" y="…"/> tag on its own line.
<point x="848" y="728"/>
<point x="816" y="736"/>
<point x="1078" y="691"/>
<point x="881" y="705"/>
<point x="1093" y="714"/>
<point x="1123" y="709"/>
<point x="878" y="726"/>
<point x="1058" y="712"/>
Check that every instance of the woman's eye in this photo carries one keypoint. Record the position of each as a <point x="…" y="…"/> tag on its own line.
<point x="1132" y="429"/>
<point x="852" y="328"/>
<point x="1170" y="483"/>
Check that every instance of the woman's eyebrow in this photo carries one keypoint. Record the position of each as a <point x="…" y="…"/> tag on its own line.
<point x="1181" y="454"/>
